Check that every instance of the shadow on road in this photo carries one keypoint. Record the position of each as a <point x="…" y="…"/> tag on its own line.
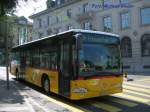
<point x="11" y="96"/>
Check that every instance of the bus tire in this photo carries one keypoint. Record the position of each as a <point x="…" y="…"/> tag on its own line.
<point x="46" y="85"/>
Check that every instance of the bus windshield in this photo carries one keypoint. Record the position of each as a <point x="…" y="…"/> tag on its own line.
<point x="98" y="58"/>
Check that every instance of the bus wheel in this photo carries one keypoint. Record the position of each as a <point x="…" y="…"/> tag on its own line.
<point x="46" y="85"/>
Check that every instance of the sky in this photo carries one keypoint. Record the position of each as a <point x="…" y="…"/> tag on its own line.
<point x="28" y="8"/>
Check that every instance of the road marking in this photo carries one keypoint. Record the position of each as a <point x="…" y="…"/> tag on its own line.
<point x="69" y="107"/>
<point x="137" y="89"/>
<point x="123" y="102"/>
<point x="42" y="107"/>
<point x="134" y="98"/>
<point x="137" y="93"/>
<point x="104" y="106"/>
<point x="85" y="110"/>
<point x="147" y="79"/>
<point x="137" y="85"/>
<point x="10" y="109"/>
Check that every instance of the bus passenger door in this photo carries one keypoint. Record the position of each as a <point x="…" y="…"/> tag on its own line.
<point x="22" y="66"/>
<point x="64" y="75"/>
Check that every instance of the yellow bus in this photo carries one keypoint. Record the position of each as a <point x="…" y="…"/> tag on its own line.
<point x="76" y="64"/>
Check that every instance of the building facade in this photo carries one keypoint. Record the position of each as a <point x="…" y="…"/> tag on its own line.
<point x="24" y="31"/>
<point x="7" y="30"/>
<point x="128" y="18"/>
<point x="18" y="30"/>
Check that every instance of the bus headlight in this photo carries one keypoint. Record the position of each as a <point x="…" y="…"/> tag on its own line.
<point x="80" y="90"/>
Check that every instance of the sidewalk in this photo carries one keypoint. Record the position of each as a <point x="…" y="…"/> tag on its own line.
<point x="137" y="76"/>
<point x="11" y="100"/>
<point x="21" y="98"/>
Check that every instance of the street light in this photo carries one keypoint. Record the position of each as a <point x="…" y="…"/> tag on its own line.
<point x="7" y="53"/>
<point x="7" y="50"/>
<point x="6" y="43"/>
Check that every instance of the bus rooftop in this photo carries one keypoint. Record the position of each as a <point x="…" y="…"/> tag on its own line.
<point x="69" y="31"/>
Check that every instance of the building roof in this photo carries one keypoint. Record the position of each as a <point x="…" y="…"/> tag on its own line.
<point x="53" y="8"/>
<point x="23" y="20"/>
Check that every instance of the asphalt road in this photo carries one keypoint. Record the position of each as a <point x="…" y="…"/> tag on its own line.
<point x="24" y="97"/>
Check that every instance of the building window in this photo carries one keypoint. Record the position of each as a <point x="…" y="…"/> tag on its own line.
<point x="69" y="13"/>
<point x="69" y="27"/>
<point x="48" y="18"/>
<point x="49" y="32"/>
<point x="40" y="23"/>
<point x="107" y="24"/>
<point x="125" y="20"/>
<point x="124" y="1"/>
<point x="40" y="35"/>
<point x="58" y="2"/>
<point x="145" y="16"/>
<point x="145" y="44"/>
<point x="57" y="19"/>
<point x="87" y="26"/>
<point x="126" y="47"/>
<point x="23" y="35"/>
<point x="85" y="7"/>
<point x="146" y="66"/>
<point x="58" y="30"/>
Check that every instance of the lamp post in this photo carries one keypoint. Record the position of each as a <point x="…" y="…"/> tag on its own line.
<point x="7" y="54"/>
<point x="6" y="27"/>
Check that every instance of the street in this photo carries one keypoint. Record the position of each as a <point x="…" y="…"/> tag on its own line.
<point x="23" y="97"/>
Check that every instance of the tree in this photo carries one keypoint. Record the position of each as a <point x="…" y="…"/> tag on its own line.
<point x="8" y="6"/>
<point x="5" y="7"/>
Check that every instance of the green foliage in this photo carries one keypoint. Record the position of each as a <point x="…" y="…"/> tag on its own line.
<point x="8" y="18"/>
<point x="8" y="5"/>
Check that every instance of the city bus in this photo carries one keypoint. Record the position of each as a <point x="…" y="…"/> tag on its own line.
<point x="76" y="64"/>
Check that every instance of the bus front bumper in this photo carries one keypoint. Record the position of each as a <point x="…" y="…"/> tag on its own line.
<point x="82" y="89"/>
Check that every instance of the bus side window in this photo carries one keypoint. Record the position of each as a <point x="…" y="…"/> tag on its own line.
<point x="48" y="60"/>
<point x="28" y="59"/>
<point x="64" y="59"/>
<point x="74" y="59"/>
<point x="22" y="60"/>
<point x="53" y="61"/>
<point x="44" y="60"/>
<point x="36" y="59"/>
